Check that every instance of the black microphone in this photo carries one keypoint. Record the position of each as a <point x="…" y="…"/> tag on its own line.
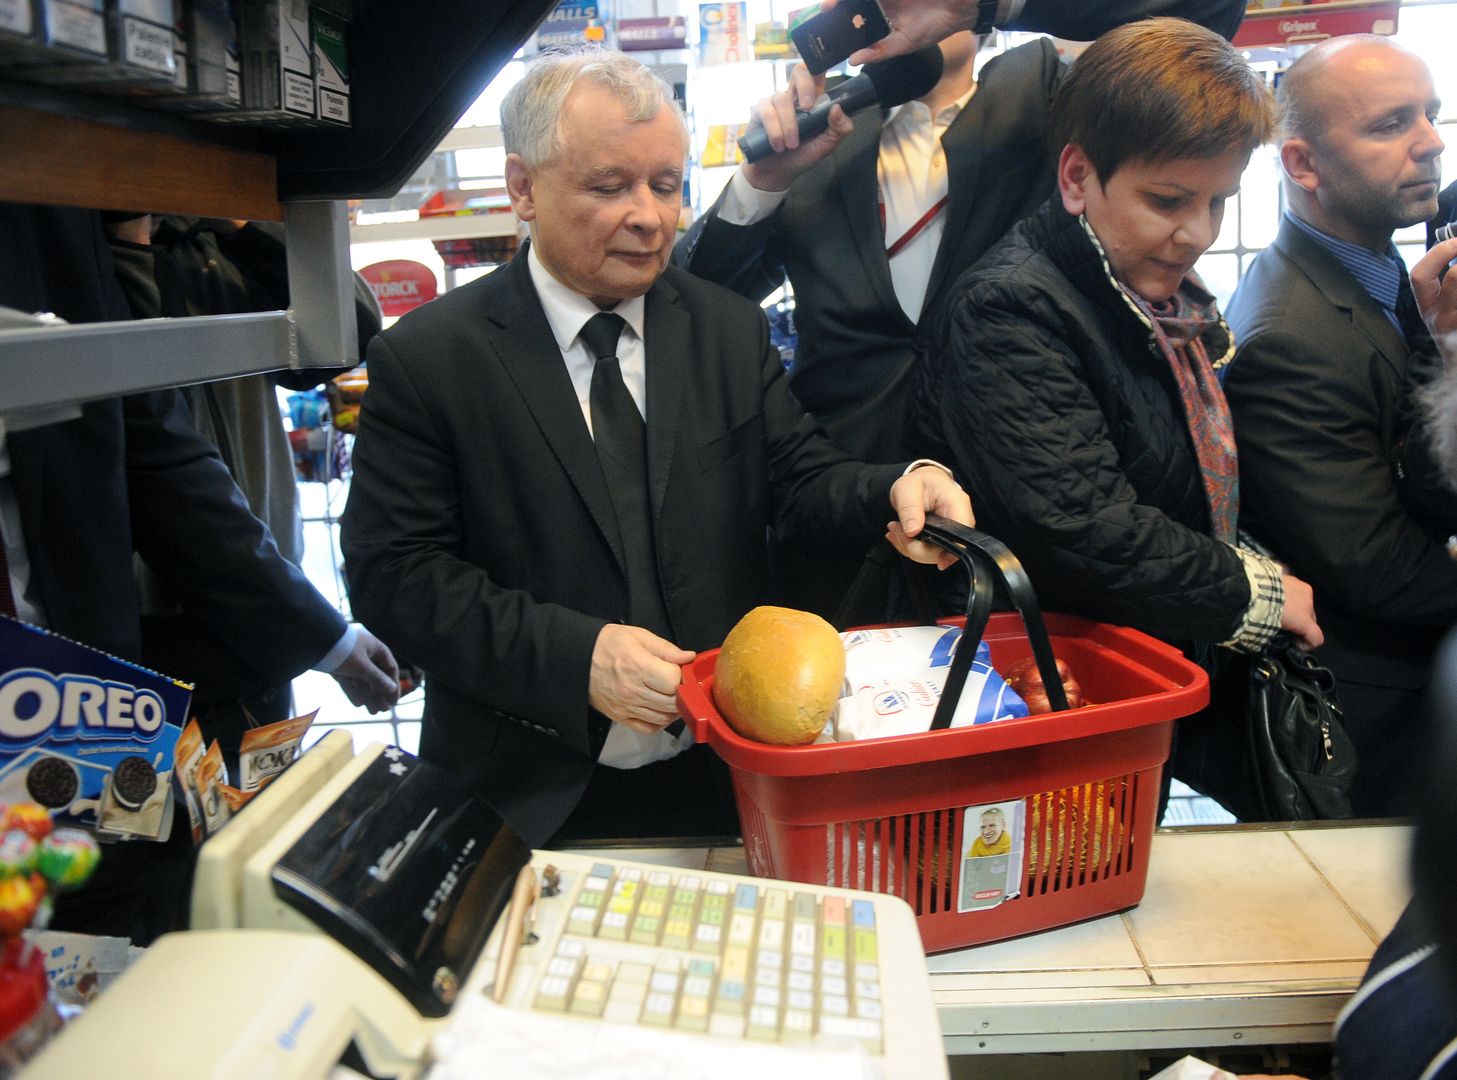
<point x="886" y="83"/>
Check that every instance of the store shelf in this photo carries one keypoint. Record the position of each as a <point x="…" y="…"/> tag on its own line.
<point x="461" y="227"/>
<point x="38" y="367"/>
<point x="412" y="78"/>
<point x="1304" y="24"/>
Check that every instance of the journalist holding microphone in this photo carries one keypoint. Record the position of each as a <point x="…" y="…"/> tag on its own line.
<point x="873" y="218"/>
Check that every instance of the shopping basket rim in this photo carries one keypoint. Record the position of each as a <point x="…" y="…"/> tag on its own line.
<point x="1185" y="690"/>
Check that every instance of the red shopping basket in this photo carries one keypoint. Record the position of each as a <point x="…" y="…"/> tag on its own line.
<point x="891" y="815"/>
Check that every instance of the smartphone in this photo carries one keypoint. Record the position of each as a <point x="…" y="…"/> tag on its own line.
<point x="825" y="39"/>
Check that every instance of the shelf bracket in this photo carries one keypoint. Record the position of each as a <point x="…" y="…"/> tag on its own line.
<point x="321" y="284"/>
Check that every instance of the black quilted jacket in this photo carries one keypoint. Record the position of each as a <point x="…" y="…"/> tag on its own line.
<point x="1043" y="388"/>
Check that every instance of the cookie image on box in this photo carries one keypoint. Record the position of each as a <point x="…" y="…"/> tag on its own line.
<point x="133" y="781"/>
<point x="52" y="782"/>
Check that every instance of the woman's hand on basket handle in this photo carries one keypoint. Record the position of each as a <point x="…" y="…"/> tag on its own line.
<point x="927" y="489"/>
<point x="1298" y="614"/>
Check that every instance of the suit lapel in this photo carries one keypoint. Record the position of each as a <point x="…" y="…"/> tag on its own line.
<point x="855" y="174"/>
<point x="963" y="164"/>
<point x="1343" y="291"/>
<point x="528" y="351"/>
<point x="668" y="339"/>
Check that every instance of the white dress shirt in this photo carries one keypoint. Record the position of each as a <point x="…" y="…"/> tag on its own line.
<point x="912" y="174"/>
<point x="566" y="313"/>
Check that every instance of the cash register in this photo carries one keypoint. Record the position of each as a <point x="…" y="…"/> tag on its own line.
<point x="361" y="904"/>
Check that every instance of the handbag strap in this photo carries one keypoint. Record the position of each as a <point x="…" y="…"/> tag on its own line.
<point x="986" y="558"/>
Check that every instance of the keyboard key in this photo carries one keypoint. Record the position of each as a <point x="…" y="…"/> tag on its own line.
<point x="589" y="998"/>
<point x="630" y="971"/>
<point x="729" y="1025"/>
<point x="746" y="897"/>
<point x="768" y="958"/>
<point x="799" y="980"/>
<point x="552" y="992"/>
<point x="799" y="1024"/>
<point x="568" y="947"/>
<point x="771" y="935"/>
<point x="583" y="920"/>
<point x="663" y="982"/>
<point x="832" y="969"/>
<point x="597" y="971"/>
<point x="763" y="1022"/>
<point x="707" y="938"/>
<point x="867" y="988"/>
<point x="802" y="938"/>
<point x="862" y="914"/>
<point x="741" y="928"/>
<point x="776" y="904"/>
<point x="865" y="948"/>
<point x="866" y="1031"/>
<point x="800" y="999"/>
<point x="868" y="972"/>
<point x="832" y="985"/>
<point x="564" y="967"/>
<point x="698" y="986"/>
<point x="658" y="1009"/>
<point x="614" y="926"/>
<point x="693" y="1014"/>
<point x="834" y="1005"/>
<point x="868" y="1010"/>
<point x="801" y="963"/>
<point x="767" y="977"/>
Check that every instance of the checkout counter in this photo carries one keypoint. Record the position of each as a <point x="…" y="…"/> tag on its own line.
<point x="1246" y="936"/>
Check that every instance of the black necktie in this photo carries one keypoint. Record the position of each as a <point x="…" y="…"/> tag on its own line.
<point x="621" y="438"/>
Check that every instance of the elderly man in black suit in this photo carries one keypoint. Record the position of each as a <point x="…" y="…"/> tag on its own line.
<point x="564" y="474"/>
<point x="1332" y="336"/>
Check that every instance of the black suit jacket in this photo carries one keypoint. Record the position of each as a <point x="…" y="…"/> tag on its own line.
<point x="479" y="535"/>
<point x="1316" y="388"/>
<point x="855" y="345"/>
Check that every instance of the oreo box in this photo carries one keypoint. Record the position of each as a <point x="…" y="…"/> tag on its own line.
<point x="89" y="737"/>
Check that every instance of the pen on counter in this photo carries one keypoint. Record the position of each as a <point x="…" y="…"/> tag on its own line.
<point x="523" y="896"/>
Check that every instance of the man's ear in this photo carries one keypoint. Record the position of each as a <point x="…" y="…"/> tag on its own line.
<point x="519" y="185"/>
<point x="1074" y="173"/>
<point x="1297" y="158"/>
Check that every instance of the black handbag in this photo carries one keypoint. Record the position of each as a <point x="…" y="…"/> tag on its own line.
<point x="1303" y="760"/>
<point x="1271" y="746"/>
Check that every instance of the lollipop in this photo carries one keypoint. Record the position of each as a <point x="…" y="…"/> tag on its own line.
<point x="30" y="818"/>
<point x="17" y="853"/>
<point x="18" y="902"/>
<point x="67" y="858"/>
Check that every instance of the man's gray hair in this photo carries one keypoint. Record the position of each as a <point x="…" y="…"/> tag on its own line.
<point x="532" y="109"/>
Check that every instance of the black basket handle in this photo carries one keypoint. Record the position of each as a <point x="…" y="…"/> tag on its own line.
<point x="984" y="555"/>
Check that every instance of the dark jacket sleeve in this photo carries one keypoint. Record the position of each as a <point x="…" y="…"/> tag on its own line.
<point x="1312" y="464"/>
<point x="1084" y="22"/>
<point x="192" y="526"/>
<point x="824" y="501"/>
<point x="749" y="259"/>
<point x="1031" y="444"/>
<point x="401" y="531"/>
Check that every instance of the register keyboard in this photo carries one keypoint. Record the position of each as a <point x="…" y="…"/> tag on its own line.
<point x="728" y="956"/>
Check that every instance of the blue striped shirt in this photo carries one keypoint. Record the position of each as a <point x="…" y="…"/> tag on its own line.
<point x="1378" y="273"/>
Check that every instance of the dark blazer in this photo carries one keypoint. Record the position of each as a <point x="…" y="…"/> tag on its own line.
<point x="1316" y="387"/>
<point x="855" y="344"/>
<point x="479" y="536"/>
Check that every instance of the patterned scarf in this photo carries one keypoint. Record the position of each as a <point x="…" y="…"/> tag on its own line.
<point x="1178" y="323"/>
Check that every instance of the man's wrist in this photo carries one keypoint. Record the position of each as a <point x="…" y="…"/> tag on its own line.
<point x="923" y="463"/>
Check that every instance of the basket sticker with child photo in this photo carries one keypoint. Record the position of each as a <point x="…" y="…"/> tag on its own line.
<point x="991" y="860"/>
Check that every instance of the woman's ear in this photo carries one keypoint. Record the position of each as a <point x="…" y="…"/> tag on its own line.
<point x="1074" y="174"/>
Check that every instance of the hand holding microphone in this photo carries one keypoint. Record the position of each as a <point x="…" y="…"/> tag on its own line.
<point x="784" y="130"/>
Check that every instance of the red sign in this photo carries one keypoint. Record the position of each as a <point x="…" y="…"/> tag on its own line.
<point x="400" y="285"/>
<point x="1309" y="23"/>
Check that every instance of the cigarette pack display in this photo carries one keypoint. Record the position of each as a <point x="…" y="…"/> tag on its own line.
<point x="140" y="43"/>
<point x="209" y="67"/>
<point x="38" y="33"/>
<point x="331" y="61"/>
<point x="278" y="65"/>
<point x="87" y="736"/>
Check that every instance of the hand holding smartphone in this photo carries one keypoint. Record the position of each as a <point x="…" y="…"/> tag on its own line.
<point x="825" y="39"/>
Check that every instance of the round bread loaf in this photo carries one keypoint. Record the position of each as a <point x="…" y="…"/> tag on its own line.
<point x="778" y="675"/>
